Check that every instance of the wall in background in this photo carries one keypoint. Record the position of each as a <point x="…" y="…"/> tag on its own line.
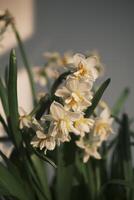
<point x="106" y="26"/>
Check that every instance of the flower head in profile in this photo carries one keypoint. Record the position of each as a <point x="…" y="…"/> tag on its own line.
<point x="51" y="56"/>
<point x="86" y="68"/>
<point x="43" y="141"/>
<point x="77" y="94"/>
<point x="99" y="66"/>
<point x="39" y="75"/>
<point x="103" y="124"/>
<point x="90" y="148"/>
<point x="58" y="59"/>
<point x="84" y="125"/>
<point x="24" y="119"/>
<point x="67" y="58"/>
<point x="62" y="122"/>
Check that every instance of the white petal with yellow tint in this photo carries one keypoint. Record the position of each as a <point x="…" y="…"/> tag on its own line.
<point x="57" y="110"/>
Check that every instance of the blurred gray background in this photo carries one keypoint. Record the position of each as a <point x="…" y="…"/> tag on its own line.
<point x="81" y="25"/>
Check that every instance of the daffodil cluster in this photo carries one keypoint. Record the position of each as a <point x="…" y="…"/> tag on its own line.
<point x="54" y="66"/>
<point x="69" y="118"/>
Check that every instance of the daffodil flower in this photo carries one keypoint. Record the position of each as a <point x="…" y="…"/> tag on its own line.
<point x="51" y="56"/>
<point x="84" y="125"/>
<point x="86" y="68"/>
<point x="42" y="140"/>
<point x="76" y="94"/>
<point x="24" y="119"/>
<point x="90" y="148"/>
<point x="39" y="75"/>
<point x="62" y="122"/>
<point x="59" y="60"/>
<point x="103" y="125"/>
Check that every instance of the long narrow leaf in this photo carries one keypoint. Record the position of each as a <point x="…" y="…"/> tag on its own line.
<point x="11" y="185"/>
<point x="12" y="98"/>
<point x="3" y="97"/>
<point x="97" y="98"/>
<point x="64" y="178"/>
<point x="4" y="125"/>
<point x="58" y="81"/>
<point x="120" y="102"/>
<point x="41" y="172"/>
<point x="25" y="60"/>
<point x="11" y="167"/>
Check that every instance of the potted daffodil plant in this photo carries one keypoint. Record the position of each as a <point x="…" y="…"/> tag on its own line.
<point x="66" y="148"/>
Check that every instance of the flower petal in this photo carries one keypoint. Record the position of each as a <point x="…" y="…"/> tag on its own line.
<point x="57" y="110"/>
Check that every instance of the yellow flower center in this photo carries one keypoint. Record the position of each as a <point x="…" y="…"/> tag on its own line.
<point x="72" y="102"/>
<point x="101" y="126"/>
<point x="79" y="122"/>
<point x="82" y="69"/>
<point x="64" y="61"/>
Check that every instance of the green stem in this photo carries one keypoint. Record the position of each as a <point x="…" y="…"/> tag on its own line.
<point x="25" y="60"/>
<point x="91" y="182"/>
<point x="98" y="180"/>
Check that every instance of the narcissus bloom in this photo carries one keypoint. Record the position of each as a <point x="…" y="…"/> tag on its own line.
<point x="62" y="122"/>
<point x="24" y="119"/>
<point x="59" y="60"/>
<point x="42" y="140"/>
<point x="39" y="75"/>
<point x="86" y="67"/>
<point x="103" y="124"/>
<point x="84" y="125"/>
<point x="76" y="94"/>
<point x="90" y="148"/>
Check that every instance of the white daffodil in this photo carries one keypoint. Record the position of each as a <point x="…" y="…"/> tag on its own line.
<point x="90" y="148"/>
<point x="67" y="58"/>
<point x="59" y="60"/>
<point x="99" y="66"/>
<point x="86" y="67"/>
<point x="84" y="125"/>
<point x="51" y="56"/>
<point x="24" y="119"/>
<point x="103" y="125"/>
<point x="42" y="140"/>
<point x="76" y="94"/>
<point x="62" y="122"/>
<point x="39" y="75"/>
<point x="52" y="71"/>
<point x="56" y="63"/>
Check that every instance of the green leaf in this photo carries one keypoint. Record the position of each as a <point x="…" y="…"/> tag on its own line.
<point x="126" y="152"/>
<point x="87" y="172"/>
<point x="41" y="173"/>
<point x="13" y="100"/>
<point x="25" y="60"/>
<point x="34" y="181"/>
<point x="69" y="151"/>
<point x="97" y="98"/>
<point x="3" y="96"/>
<point x="6" y="75"/>
<point x="45" y="158"/>
<point x="37" y="152"/>
<point x="58" y="81"/>
<point x="64" y="177"/>
<point x="121" y="158"/>
<point x="11" y="167"/>
<point x="4" y="125"/>
<point x="120" y="102"/>
<point x="41" y="107"/>
<point x="118" y="182"/>
<point x="3" y="191"/>
<point x="11" y="185"/>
